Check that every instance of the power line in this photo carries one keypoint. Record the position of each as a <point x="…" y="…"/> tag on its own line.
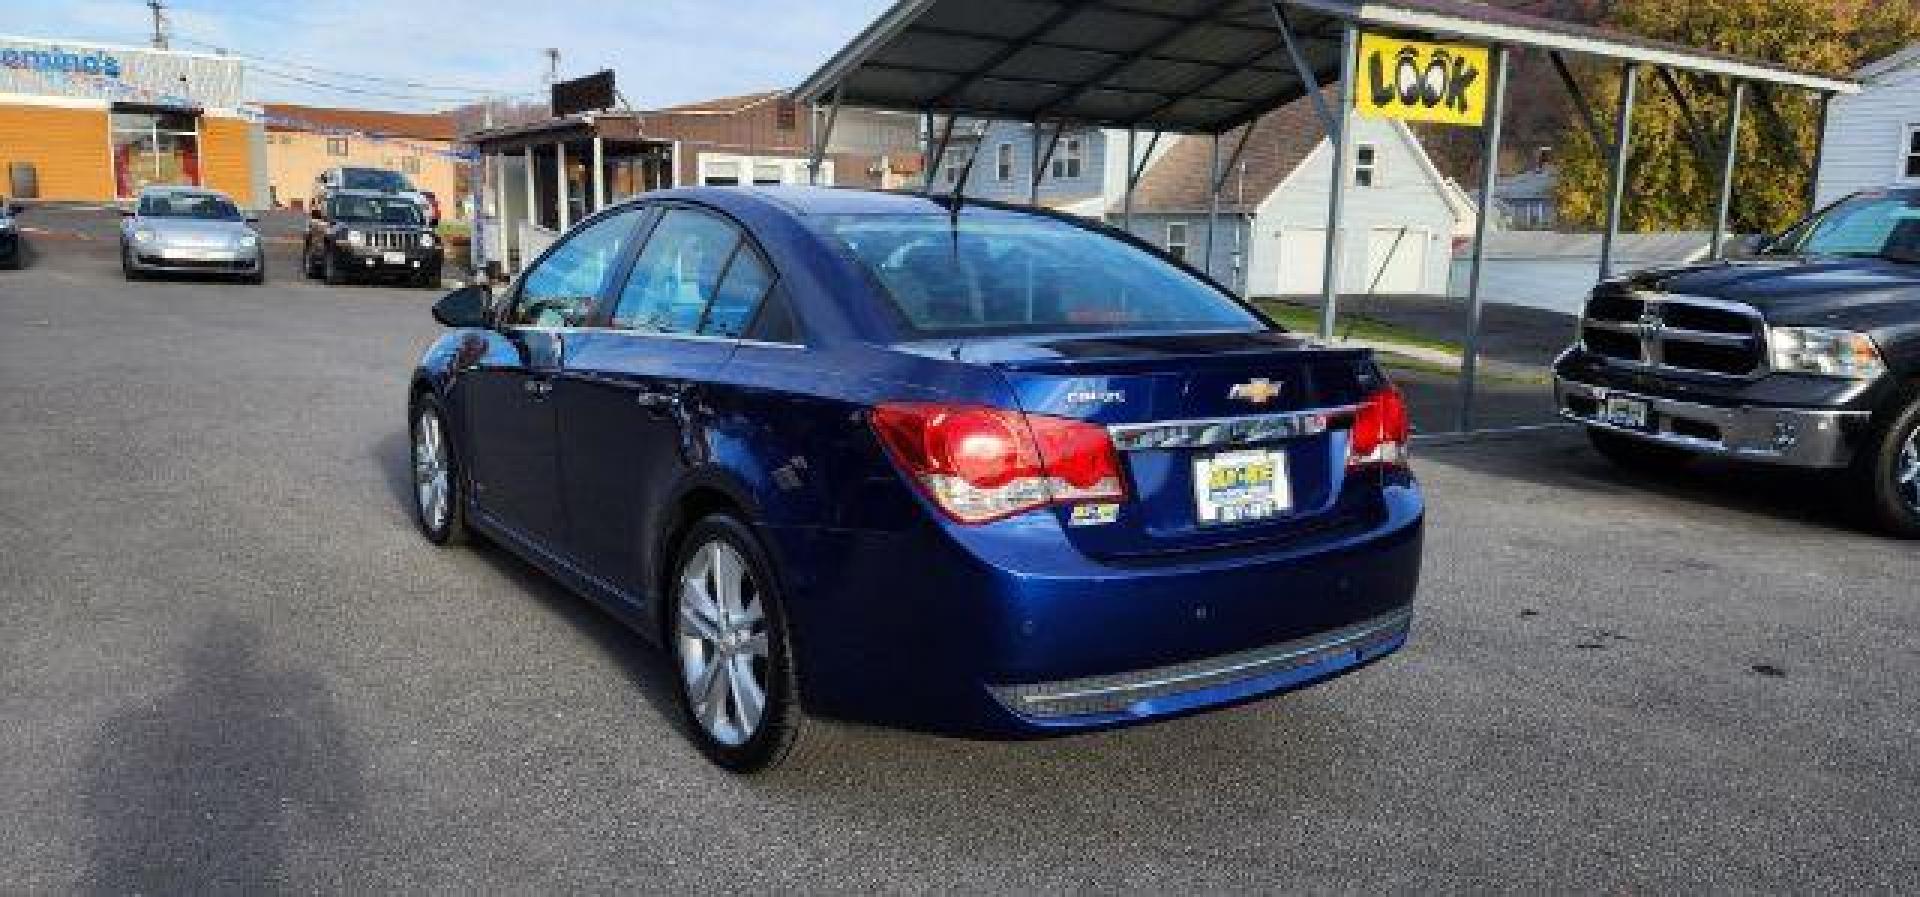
<point x="361" y="76"/>
<point x="366" y="91"/>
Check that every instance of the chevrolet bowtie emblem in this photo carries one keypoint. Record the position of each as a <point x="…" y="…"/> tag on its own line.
<point x="1259" y="391"/>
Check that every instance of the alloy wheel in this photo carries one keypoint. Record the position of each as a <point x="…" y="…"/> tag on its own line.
<point x="432" y="477"/>
<point x="1906" y="471"/>
<point x="721" y="639"/>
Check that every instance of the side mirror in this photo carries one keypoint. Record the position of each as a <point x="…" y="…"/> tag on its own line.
<point x="126" y="213"/>
<point x="14" y="208"/>
<point x="464" y="307"/>
<point x="316" y="213"/>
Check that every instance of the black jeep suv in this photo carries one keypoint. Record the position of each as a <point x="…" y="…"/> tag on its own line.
<point x="1806" y="355"/>
<point x="367" y="234"/>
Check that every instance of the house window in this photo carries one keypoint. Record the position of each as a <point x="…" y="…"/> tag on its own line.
<point x="721" y="173"/>
<point x="1177" y="239"/>
<point x="1913" y="153"/>
<point x="768" y="174"/>
<point x="1003" y="162"/>
<point x="1070" y="159"/>
<point x="953" y="162"/>
<point x="410" y="165"/>
<point x="1366" y="165"/>
<point x="336" y="146"/>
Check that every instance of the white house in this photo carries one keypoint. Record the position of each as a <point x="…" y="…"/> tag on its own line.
<point x="1873" y="137"/>
<point x="1086" y="172"/>
<point x="1402" y="214"/>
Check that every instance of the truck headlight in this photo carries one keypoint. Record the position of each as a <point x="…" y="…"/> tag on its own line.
<point x="356" y="238"/>
<point x="1826" y="352"/>
<point x="426" y="241"/>
<point x="248" y="241"/>
<point x="143" y="235"/>
<point x="6" y="224"/>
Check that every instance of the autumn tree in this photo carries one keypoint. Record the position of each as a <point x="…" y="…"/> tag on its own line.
<point x="1669" y="185"/>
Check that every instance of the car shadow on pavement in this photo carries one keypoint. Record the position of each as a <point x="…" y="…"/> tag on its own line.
<point x="1563" y="459"/>
<point x="209" y="786"/>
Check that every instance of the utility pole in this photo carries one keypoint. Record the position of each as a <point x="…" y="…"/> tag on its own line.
<point x="159" y="9"/>
<point x="553" y="65"/>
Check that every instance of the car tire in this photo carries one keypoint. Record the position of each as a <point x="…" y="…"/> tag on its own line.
<point x="439" y="487"/>
<point x="259" y="275"/>
<point x="309" y="263"/>
<point x="1636" y="454"/>
<point x="330" y="271"/>
<point x="126" y="265"/>
<point x="1887" y="470"/>
<point x="712" y="631"/>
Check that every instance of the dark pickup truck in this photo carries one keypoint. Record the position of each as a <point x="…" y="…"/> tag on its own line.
<point x="1805" y="355"/>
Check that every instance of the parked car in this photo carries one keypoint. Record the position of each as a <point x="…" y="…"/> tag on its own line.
<point x="365" y="234"/>
<point x="11" y="248"/>
<point x="189" y="230"/>
<point x="1807" y="355"/>
<point x="382" y="180"/>
<point x="987" y="471"/>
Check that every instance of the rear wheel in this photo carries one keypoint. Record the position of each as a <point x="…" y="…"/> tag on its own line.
<point x="1888" y="471"/>
<point x="1637" y="454"/>
<point x="437" y="493"/>
<point x="732" y="652"/>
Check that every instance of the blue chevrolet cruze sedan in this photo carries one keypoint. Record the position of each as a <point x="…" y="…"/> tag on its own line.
<point x="973" y="469"/>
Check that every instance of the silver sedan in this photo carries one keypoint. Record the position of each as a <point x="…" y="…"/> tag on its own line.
<point x="190" y="230"/>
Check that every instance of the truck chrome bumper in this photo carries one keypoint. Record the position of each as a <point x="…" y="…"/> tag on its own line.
<point x="1793" y="437"/>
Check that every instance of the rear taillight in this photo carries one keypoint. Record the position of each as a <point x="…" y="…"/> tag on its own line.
<point x="1380" y="431"/>
<point x="981" y="464"/>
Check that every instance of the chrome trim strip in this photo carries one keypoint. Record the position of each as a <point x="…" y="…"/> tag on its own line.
<point x="1796" y="437"/>
<point x="1220" y="431"/>
<point x="1116" y="692"/>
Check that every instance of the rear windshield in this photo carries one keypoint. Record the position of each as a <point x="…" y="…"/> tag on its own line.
<point x="373" y="179"/>
<point x="376" y="210"/>
<point x="201" y="206"/>
<point x="1871" y="225"/>
<point x="1004" y="273"/>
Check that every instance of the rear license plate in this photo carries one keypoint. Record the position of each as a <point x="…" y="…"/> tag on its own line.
<point x="394" y="258"/>
<point x="1624" y="412"/>
<point x="1240" y="487"/>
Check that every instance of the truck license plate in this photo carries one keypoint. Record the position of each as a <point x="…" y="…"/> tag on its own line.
<point x="1624" y="412"/>
<point x="394" y="258"/>
<point x="1240" y="487"/>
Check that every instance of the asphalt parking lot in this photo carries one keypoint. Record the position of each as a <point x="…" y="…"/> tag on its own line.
<point x="227" y="663"/>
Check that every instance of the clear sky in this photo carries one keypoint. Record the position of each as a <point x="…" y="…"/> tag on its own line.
<point x="665" y="51"/>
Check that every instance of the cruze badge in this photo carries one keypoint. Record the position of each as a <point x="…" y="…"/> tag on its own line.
<point x="1259" y="391"/>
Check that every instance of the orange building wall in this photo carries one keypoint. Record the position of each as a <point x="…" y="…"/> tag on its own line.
<point x="295" y="158"/>
<point x="226" y="164"/>
<point x="68" y="147"/>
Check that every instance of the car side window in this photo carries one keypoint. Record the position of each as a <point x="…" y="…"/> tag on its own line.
<point x="741" y="289"/>
<point x="677" y="275"/>
<point x="561" y="288"/>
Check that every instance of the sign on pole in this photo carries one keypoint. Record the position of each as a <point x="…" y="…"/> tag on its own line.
<point x="1419" y="81"/>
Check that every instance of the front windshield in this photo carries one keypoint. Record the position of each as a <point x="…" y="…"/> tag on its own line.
<point x="198" y="206"/>
<point x="1873" y="225"/>
<point x="1004" y="273"/>
<point x="373" y="179"/>
<point x="376" y="210"/>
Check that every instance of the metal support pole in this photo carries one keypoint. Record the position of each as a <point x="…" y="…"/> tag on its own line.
<point x="1489" y="179"/>
<point x="939" y="153"/>
<point x="500" y="211"/>
<point x="1337" y="192"/>
<point x="1730" y="153"/>
<point x="1045" y="158"/>
<point x="563" y="201"/>
<point x="824" y="136"/>
<point x="1819" y="153"/>
<point x="1126" y="202"/>
<point x="1622" y="149"/>
<point x="926" y="148"/>
<point x="1033" y="169"/>
<point x="599" y="173"/>
<point x="1213" y="204"/>
<point x="533" y="197"/>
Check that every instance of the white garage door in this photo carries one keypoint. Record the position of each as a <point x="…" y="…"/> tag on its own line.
<point x="1303" y="256"/>
<point x="1397" y="259"/>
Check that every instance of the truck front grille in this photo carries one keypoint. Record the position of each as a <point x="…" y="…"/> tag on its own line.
<point x="392" y="239"/>
<point x="1690" y="334"/>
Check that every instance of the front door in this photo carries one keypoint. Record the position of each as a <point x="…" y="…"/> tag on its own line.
<point x="631" y="397"/>
<point x="514" y="435"/>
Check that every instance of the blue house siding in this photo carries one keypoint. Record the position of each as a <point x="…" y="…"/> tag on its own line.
<point x="1229" y="241"/>
<point x="984" y="181"/>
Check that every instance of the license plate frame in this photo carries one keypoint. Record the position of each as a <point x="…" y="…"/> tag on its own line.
<point x="1626" y="412"/>
<point x="1241" y="486"/>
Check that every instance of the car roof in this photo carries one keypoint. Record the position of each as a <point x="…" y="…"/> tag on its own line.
<point x="369" y="192"/>
<point x="180" y="190"/>
<point x="808" y="201"/>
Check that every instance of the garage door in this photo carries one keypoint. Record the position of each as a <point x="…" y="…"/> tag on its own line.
<point x="1303" y="256"/>
<point x="1397" y="259"/>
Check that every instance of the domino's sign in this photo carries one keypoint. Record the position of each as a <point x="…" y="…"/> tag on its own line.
<point x="61" y="61"/>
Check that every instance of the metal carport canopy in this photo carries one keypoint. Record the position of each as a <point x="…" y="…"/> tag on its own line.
<point x="1188" y="66"/>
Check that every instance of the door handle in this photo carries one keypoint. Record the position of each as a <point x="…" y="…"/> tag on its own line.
<point x="539" y="389"/>
<point x="656" y="400"/>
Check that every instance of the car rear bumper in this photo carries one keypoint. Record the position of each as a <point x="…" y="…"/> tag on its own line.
<point x="1793" y="437"/>
<point x="988" y="635"/>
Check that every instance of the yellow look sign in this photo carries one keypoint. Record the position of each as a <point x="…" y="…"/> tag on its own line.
<point x="1416" y="81"/>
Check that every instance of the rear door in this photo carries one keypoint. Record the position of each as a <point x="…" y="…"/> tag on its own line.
<point x="515" y="442"/>
<point x="631" y="399"/>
